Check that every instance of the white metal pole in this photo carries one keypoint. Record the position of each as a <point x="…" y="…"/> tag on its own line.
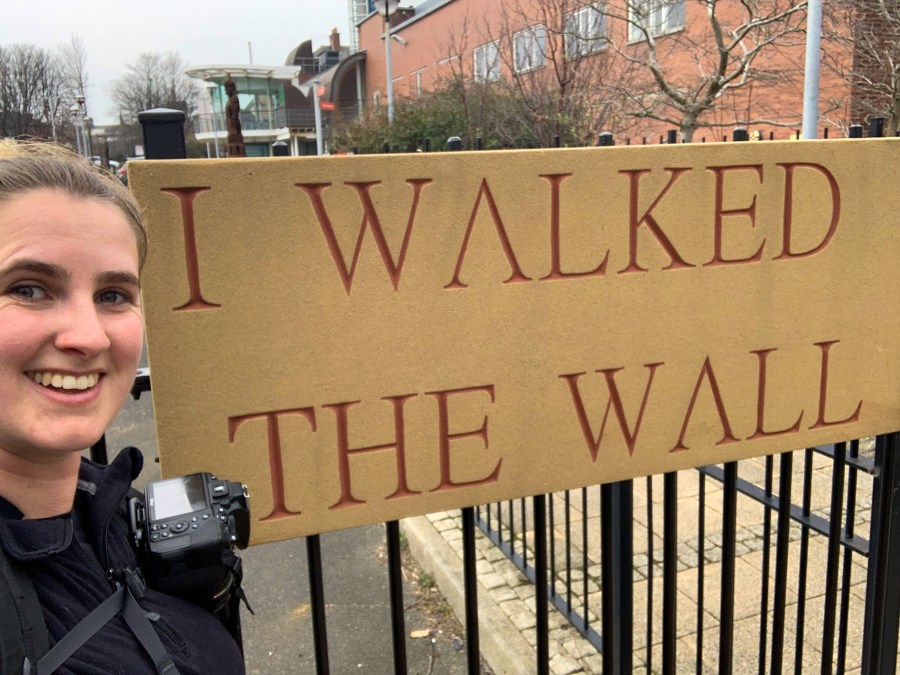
<point x="387" y="65"/>
<point x="811" y="77"/>
<point x="215" y="121"/>
<point x="320" y="150"/>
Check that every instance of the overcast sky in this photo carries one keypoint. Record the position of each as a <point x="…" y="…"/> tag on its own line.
<point x="201" y="31"/>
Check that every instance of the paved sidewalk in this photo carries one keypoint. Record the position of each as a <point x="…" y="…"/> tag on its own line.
<point x="506" y="597"/>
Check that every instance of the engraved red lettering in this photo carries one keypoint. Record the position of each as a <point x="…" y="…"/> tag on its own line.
<point x="762" y="355"/>
<point x="706" y="373"/>
<point x="650" y="222"/>
<point x="789" y="209"/>
<point x="555" y="256"/>
<point x="517" y="276"/>
<point x="593" y="440"/>
<point x="371" y="221"/>
<point x="445" y="437"/>
<point x="276" y="467"/>
<point x="344" y="450"/>
<point x="186" y="197"/>
<point x="825" y="347"/>
<point x="749" y="212"/>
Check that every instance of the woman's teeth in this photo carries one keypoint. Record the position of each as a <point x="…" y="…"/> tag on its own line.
<point x="59" y="381"/>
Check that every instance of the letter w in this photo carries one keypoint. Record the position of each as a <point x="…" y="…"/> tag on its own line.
<point x="615" y="402"/>
<point x="370" y="220"/>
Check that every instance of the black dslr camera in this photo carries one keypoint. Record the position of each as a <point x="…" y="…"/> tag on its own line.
<point x="185" y="531"/>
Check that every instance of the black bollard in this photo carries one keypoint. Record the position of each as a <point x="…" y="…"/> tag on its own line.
<point x="163" y="130"/>
<point x="606" y="139"/>
<point x="454" y="143"/>
<point x="876" y="127"/>
<point x="280" y="149"/>
<point x="856" y="131"/>
<point x="672" y="137"/>
<point x="740" y="134"/>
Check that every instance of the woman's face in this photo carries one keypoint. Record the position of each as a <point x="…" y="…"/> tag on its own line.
<point x="71" y="328"/>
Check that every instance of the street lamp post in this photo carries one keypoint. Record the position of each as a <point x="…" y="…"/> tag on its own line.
<point x="385" y="8"/>
<point x="75" y="109"/>
<point x="212" y="86"/>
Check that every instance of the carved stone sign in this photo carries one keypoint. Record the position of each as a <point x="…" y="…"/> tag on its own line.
<point x="361" y="339"/>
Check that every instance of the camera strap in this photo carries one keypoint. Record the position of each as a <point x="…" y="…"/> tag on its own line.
<point x="124" y="601"/>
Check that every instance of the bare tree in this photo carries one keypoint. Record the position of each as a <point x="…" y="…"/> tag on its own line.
<point x="867" y="34"/>
<point x="539" y="72"/>
<point x="31" y="91"/>
<point x="154" y="81"/>
<point x="698" y="55"/>
<point x="73" y="58"/>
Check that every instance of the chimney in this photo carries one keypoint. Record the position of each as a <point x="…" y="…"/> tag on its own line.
<point x="335" y="40"/>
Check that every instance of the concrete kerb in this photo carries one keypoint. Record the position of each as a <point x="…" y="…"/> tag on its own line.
<point x="504" y="648"/>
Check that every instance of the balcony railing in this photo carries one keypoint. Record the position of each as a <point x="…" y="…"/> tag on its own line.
<point x="280" y="118"/>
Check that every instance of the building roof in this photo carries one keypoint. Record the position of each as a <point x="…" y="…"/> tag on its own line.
<point x="216" y="71"/>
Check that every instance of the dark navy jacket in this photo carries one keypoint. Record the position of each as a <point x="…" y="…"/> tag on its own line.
<point x="67" y="558"/>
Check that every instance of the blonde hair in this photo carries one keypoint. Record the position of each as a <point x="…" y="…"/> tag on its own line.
<point x="27" y="166"/>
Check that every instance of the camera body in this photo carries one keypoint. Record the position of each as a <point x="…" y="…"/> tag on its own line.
<point x="185" y="531"/>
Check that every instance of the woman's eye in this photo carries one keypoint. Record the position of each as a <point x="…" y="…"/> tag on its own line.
<point x="113" y="297"/>
<point x="28" y="292"/>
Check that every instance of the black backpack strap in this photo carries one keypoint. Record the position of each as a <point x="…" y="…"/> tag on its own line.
<point x="23" y="633"/>
<point x="124" y="601"/>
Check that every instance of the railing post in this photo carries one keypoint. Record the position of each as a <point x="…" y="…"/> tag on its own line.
<point x="882" y="623"/>
<point x="617" y="584"/>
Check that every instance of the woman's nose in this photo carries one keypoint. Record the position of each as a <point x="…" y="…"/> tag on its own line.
<point x="82" y="329"/>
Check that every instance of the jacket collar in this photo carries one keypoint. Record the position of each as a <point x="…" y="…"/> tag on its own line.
<point x="102" y="488"/>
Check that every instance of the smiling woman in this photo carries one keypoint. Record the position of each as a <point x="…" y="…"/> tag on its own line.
<point x="71" y="328"/>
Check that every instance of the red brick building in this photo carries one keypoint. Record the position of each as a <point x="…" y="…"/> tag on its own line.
<point x="486" y="40"/>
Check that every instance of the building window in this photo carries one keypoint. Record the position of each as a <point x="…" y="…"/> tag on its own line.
<point x="420" y="76"/>
<point x="487" y="62"/>
<point x="585" y="32"/>
<point x="656" y="17"/>
<point x="529" y="48"/>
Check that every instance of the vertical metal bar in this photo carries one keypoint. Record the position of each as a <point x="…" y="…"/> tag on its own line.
<point x="882" y="623"/>
<point x="540" y="585"/>
<point x="317" y="601"/>
<point x="834" y="550"/>
<point x="783" y="540"/>
<point x="616" y="552"/>
<point x="650" y="566"/>
<point x="524" y="531"/>
<point x="729" y="533"/>
<point x="568" y="552"/>
<point x="701" y="566"/>
<point x="670" y="570"/>
<point x="395" y="576"/>
<point x="552" y="553"/>
<point x="584" y="557"/>
<point x="804" y="560"/>
<point x="766" y="564"/>
<point x="846" y="578"/>
<point x="473" y="651"/>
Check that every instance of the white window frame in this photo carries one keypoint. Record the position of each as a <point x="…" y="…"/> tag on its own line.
<point x="486" y="62"/>
<point x="530" y="49"/>
<point x="660" y="17"/>
<point x="585" y="31"/>
<point x="419" y="76"/>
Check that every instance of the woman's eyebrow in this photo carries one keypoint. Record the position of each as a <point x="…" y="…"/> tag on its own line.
<point x="36" y="267"/>
<point x="126" y="278"/>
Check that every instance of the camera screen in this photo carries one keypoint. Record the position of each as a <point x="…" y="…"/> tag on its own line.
<point x="176" y="496"/>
